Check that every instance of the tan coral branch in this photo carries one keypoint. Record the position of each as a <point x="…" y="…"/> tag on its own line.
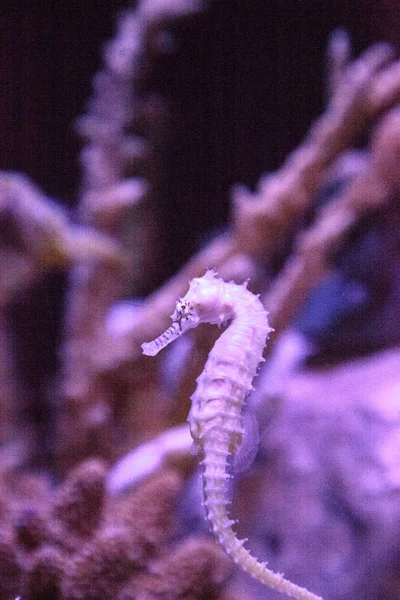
<point x="310" y="261"/>
<point x="43" y="236"/>
<point x="376" y="182"/>
<point x="368" y="86"/>
<point x="123" y="131"/>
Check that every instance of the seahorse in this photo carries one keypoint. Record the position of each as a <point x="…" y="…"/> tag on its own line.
<point x="215" y="417"/>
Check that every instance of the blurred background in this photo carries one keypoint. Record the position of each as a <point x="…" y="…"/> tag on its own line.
<point x="233" y="89"/>
<point x="243" y="86"/>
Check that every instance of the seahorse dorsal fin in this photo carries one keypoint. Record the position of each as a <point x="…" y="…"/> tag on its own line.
<point x="195" y="449"/>
<point x="247" y="451"/>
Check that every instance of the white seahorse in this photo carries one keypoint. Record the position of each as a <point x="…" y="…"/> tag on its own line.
<point x="215" y="418"/>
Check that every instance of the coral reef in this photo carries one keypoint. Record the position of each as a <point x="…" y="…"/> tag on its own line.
<point x="100" y="495"/>
<point x="78" y="542"/>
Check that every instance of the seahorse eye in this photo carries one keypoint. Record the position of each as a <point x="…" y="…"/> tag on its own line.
<point x="183" y="307"/>
<point x="183" y="311"/>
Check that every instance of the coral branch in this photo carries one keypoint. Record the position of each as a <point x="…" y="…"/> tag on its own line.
<point x="338" y="56"/>
<point x="367" y="87"/>
<point x="124" y="131"/>
<point x="261" y="218"/>
<point x="37" y="235"/>
<point x="309" y="263"/>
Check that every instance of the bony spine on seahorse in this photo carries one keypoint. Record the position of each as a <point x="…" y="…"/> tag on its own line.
<point x="215" y="417"/>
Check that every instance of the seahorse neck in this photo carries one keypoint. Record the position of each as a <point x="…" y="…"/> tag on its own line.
<point x="247" y="329"/>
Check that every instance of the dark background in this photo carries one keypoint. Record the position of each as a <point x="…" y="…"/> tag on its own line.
<point x="244" y="84"/>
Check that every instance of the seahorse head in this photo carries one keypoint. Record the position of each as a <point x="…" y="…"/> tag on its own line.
<point x="203" y="303"/>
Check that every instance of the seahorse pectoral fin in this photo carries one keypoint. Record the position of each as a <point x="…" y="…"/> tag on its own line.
<point x="247" y="451"/>
<point x="195" y="449"/>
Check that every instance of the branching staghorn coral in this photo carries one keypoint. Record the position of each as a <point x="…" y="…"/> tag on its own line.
<point x="371" y="188"/>
<point x="338" y="57"/>
<point x="215" y="419"/>
<point x="97" y="362"/>
<point x="123" y="130"/>
<point x="365" y="88"/>
<point x="37" y="237"/>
